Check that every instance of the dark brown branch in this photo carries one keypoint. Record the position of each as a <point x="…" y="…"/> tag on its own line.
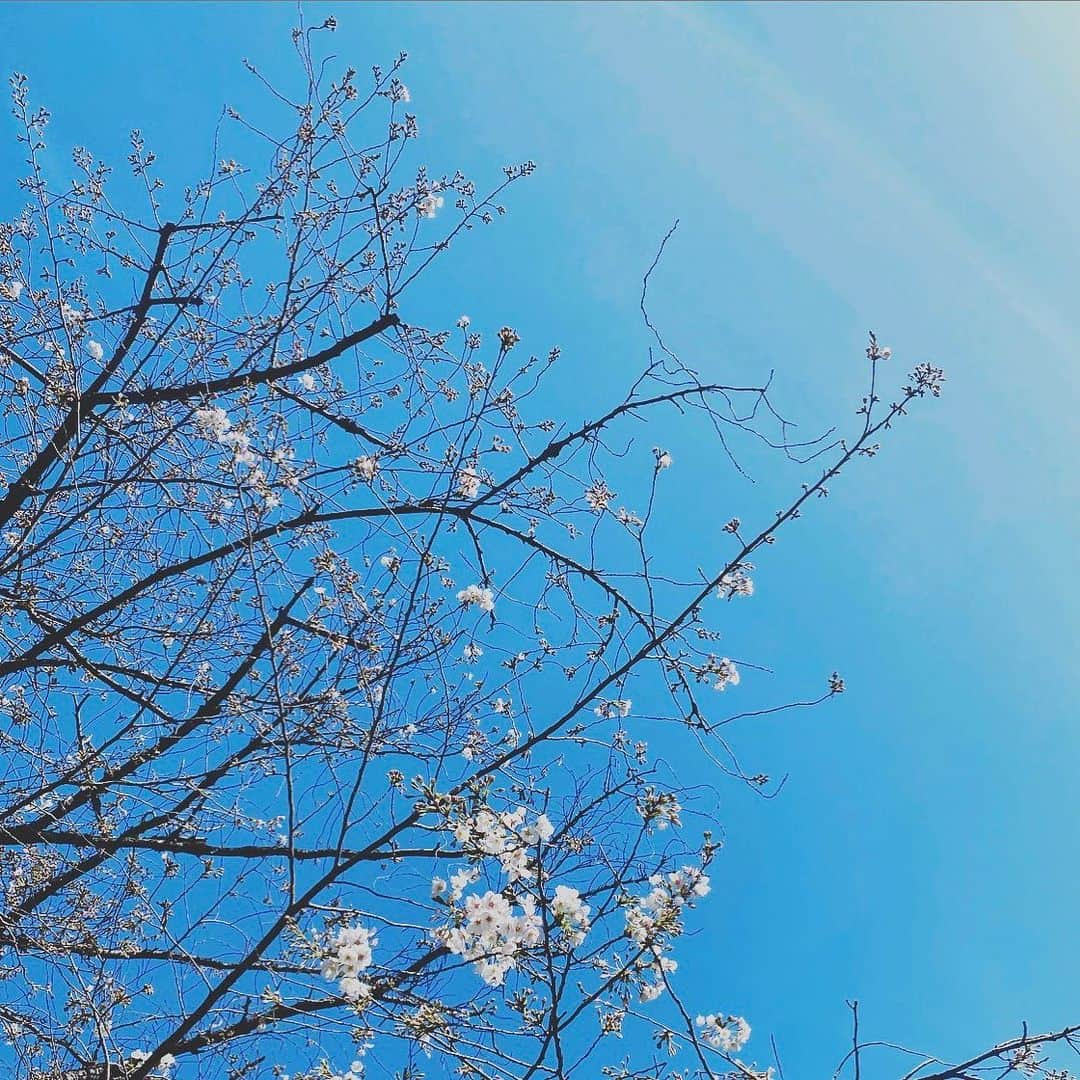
<point x="225" y="383"/>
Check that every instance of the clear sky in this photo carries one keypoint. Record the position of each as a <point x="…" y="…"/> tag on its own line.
<point x="908" y="168"/>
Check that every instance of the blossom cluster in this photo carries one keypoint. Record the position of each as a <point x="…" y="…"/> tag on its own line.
<point x="164" y="1067"/>
<point x="354" y="1072"/>
<point x="365" y="467"/>
<point x="735" y="582"/>
<point x="425" y="1024"/>
<point x="350" y="952"/>
<point x="213" y="423"/>
<point x="616" y="707"/>
<point x="491" y="935"/>
<point x="652" y="920"/>
<point x="928" y="378"/>
<point x="507" y="837"/>
<point x="217" y="421"/>
<point x="571" y="913"/>
<point x="657" y="912"/>
<point x="468" y="483"/>
<point x="727" y="1033"/>
<point x="482" y="597"/>
<point x="722" y="671"/>
<point x="486" y="929"/>
<point x="459" y="881"/>
<point x="659" y="808"/>
<point x="598" y="495"/>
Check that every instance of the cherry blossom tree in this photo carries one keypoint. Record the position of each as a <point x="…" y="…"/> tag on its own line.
<point x="320" y="640"/>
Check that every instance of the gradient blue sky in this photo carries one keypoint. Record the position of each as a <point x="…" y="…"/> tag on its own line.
<point x="909" y="168"/>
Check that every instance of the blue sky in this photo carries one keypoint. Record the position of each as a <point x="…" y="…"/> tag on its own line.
<point x="902" y="167"/>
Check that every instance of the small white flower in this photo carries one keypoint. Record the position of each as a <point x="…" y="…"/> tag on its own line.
<point x="212" y="422"/>
<point x="306" y="381"/>
<point x="598" y="495"/>
<point x="570" y="912"/>
<point x="429" y="205"/>
<point x="468" y="484"/>
<point x="608" y="710"/>
<point x="735" y="583"/>
<point x="366" y="467"/>
<point x="724" y="671"/>
<point x="95" y="350"/>
<point x="483" y="598"/>
<point x="460" y="881"/>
